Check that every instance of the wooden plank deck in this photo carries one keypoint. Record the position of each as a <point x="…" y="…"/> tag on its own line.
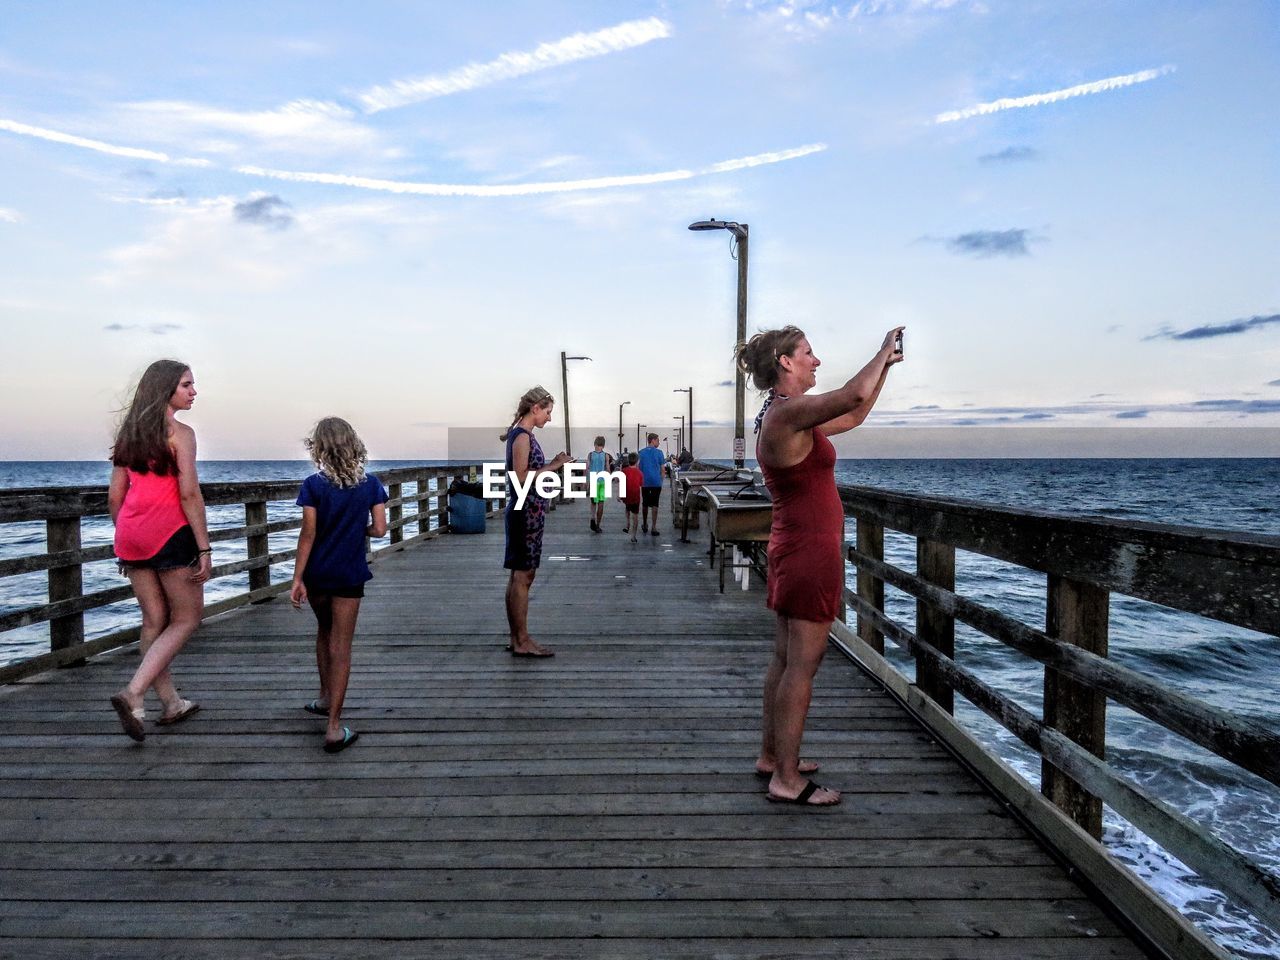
<point x="599" y="804"/>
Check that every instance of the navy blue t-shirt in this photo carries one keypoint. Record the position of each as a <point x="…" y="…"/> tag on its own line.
<point x="342" y="514"/>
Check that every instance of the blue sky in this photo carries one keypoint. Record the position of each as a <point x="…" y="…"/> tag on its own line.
<point x="401" y="213"/>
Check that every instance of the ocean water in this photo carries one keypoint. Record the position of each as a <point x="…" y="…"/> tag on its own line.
<point x="1220" y="664"/>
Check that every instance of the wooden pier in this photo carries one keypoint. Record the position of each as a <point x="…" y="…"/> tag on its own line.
<point x="598" y="804"/>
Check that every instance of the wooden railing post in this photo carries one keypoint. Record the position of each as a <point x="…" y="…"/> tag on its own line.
<point x="424" y="502"/>
<point x="397" y="512"/>
<point x="935" y="563"/>
<point x="442" y="502"/>
<point x="65" y="583"/>
<point x="1077" y="613"/>
<point x="255" y="514"/>
<point x="870" y="589"/>
<point x="445" y="481"/>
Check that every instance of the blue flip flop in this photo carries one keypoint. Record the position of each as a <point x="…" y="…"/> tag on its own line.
<point x="349" y="737"/>
<point x="314" y="707"/>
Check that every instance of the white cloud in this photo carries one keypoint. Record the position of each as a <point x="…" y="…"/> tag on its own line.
<point x="803" y="18"/>
<point x="1039" y="99"/>
<point x="298" y="125"/>
<point x="580" y="46"/>
<point x="8" y="215"/>
<point x="529" y="189"/>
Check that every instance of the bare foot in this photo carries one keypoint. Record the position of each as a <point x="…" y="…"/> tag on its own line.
<point x="530" y="648"/>
<point x="809" y="794"/>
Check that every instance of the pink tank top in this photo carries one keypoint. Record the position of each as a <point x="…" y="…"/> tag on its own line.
<point x="150" y="515"/>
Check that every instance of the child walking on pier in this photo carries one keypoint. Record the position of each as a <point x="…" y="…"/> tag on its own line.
<point x="598" y="461"/>
<point x="341" y="505"/>
<point x="631" y="497"/>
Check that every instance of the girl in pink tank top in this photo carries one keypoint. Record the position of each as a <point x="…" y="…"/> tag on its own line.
<point x="806" y="563"/>
<point x="162" y="537"/>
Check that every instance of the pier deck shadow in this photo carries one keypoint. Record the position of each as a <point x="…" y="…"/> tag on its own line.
<point x="597" y="804"/>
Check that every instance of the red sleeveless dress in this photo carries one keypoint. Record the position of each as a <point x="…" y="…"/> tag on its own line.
<point x="806" y="541"/>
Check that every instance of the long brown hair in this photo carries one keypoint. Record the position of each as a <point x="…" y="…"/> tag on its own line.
<point x="142" y="439"/>
<point x="759" y="355"/>
<point x="533" y="397"/>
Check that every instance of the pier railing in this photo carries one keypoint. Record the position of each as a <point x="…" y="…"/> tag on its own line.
<point x="1225" y="576"/>
<point x="423" y="490"/>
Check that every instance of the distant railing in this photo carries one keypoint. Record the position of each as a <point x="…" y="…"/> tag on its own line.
<point x="62" y="509"/>
<point x="1226" y="576"/>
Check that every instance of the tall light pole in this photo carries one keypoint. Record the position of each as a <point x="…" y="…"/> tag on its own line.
<point x="680" y="435"/>
<point x="564" y="375"/>
<point x="740" y="235"/>
<point x="689" y="435"/>
<point x="639" y="427"/>
<point x="620" y="406"/>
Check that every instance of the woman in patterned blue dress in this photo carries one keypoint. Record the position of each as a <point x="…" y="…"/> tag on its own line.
<point x="524" y="526"/>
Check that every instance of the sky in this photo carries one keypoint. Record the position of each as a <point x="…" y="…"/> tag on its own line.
<point x="402" y="212"/>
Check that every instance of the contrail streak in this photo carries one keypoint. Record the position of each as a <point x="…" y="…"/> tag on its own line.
<point x="87" y="144"/>
<point x="529" y="189"/>
<point x="1039" y="99"/>
<point x="580" y="46"/>
<point x="135" y="153"/>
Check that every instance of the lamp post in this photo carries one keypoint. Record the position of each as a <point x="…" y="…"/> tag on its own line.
<point x="680" y="436"/>
<point x="639" y="427"/>
<point x="689" y="435"/>
<point x="564" y="375"/>
<point x="620" y="406"/>
<point x="741" y="235"/>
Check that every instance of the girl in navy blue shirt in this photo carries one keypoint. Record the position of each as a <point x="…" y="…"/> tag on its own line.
<point x="341" y="505"/>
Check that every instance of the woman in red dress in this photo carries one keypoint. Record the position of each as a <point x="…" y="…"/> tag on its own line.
<point x="806" y="563"/>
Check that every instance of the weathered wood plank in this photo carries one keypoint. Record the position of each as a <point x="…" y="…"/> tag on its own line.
<point x="599" y="804"/>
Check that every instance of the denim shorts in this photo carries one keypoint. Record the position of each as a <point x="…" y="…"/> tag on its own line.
<point x="180" y="550"/>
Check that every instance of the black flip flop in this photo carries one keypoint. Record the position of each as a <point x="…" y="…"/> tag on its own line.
<point x="314" y="707"/>
<point x="802" y="798"/>
<point x="349" y="737"/>
<point x="768" y="774"/>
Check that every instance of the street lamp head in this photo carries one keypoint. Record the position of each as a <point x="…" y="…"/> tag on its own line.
<point x="577" y="358"/>
<point x="739" y="230"/>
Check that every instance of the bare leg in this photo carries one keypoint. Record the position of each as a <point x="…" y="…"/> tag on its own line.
<point x="155" y="617"/>
<point x="806" y="646"/>
<point x="185" y="601"/>
<point x="342" y="630"/>
<point x="767" y="762"/>
<point x="768" y="759"/>
<point x="322" y="607"/>
<point x="518" y="612"/>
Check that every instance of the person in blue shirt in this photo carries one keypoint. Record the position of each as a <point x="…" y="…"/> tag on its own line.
<point x="651" y="465"/>
<point x="341" y="505"/>
<point x="598" y="462"/>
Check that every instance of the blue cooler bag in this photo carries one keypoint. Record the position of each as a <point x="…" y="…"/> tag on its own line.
<point x="466" y="514"/>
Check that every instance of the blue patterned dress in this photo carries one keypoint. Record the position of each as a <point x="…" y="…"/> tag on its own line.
<point x="524" y="527"/>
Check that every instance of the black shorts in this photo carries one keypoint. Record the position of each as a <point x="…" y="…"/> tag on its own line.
<point x="649" y="496"/>
<point x="180" y="550"/>
<point x="633" y="508"/>
<point x="352" y="592"/>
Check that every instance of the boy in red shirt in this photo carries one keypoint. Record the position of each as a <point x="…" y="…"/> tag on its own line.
<point x="635" y="479"/>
